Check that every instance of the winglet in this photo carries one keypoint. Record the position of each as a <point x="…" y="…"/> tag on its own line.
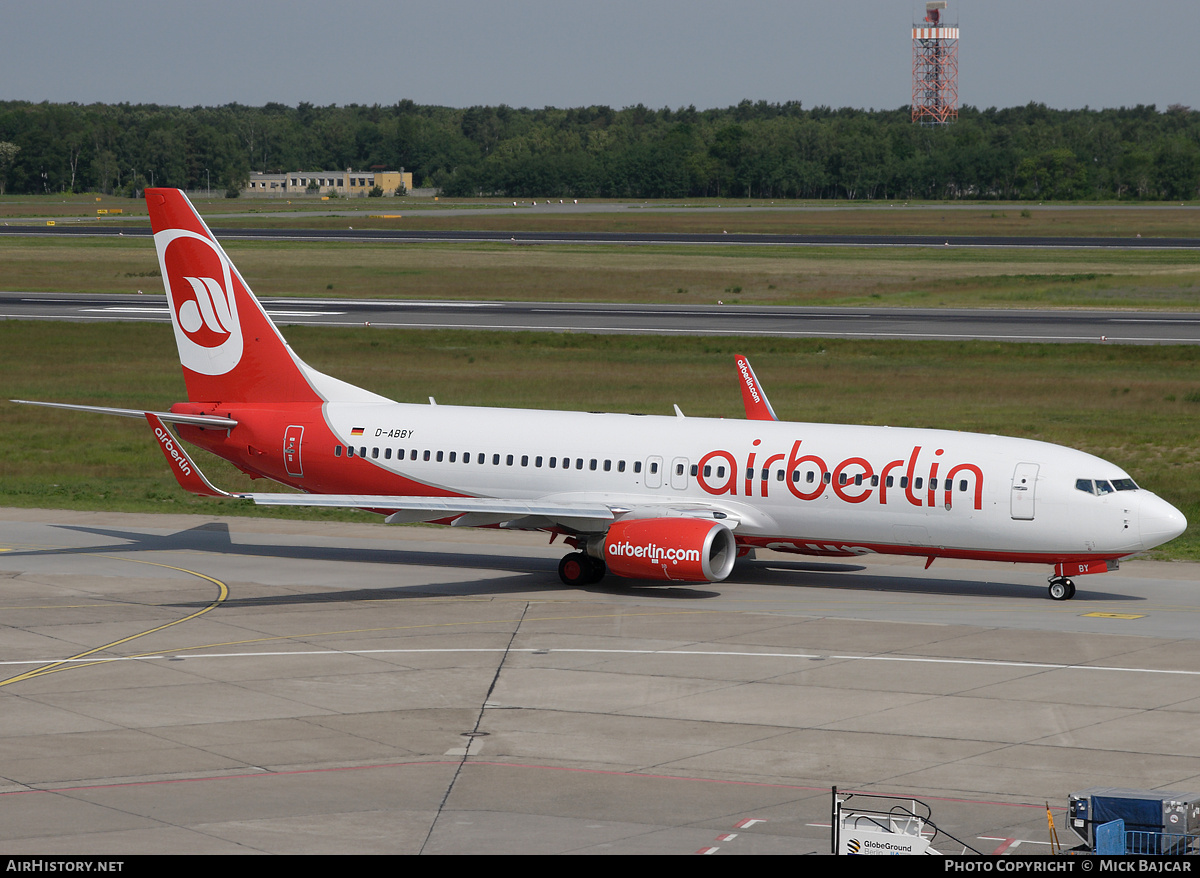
<point x="758" y="407"/>
<point x="187" y="473"/>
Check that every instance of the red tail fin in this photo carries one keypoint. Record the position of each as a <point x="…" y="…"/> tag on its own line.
<point x="229" y="348"/>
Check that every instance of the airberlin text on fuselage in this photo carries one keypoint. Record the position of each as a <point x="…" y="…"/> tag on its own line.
<point x="915" y="481"/>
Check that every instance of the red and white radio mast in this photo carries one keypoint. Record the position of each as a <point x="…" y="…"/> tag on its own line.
<point x="935" y="68"/>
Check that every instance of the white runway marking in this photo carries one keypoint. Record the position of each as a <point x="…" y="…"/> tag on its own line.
<point x="1033" y="666"/>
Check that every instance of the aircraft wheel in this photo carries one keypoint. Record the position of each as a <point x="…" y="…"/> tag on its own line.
<point x="580" y="568"/>
<point x="1061" y="589"/>
<point x="575" y="569"/>
<point x="597" y="569"/>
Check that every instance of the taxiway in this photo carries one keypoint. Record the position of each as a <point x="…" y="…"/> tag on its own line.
<point x="183" y="684"/>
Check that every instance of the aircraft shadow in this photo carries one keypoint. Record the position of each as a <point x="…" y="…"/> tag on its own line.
<point x="215" y="537"/>
<point x="790" y="574"/>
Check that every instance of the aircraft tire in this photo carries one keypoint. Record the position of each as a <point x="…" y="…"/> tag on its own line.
<point x="1061" y="589"/>
<point x="576" y="569"/>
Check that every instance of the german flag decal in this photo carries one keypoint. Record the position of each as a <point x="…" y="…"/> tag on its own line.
<point x="357" y="431"/>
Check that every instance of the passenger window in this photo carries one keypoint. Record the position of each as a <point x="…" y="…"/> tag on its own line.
<point x="508" y="460"/>
<point x="349" y="451"/>
<point x="413" y="454"/>
<point x="426" y="454"/>
<point x="637" y="466"/>
<point x="537" y="461"/>
<point x="453" y="456"/>
<point x="579" y="463"/>
<point x="620" y="466"/>
<point x="337" y="451"/>
<point x="524" y="460"/>
<point x="553" y="463"/>
<point x="608" y="466"/>
<point x="592" y="464"/>
<point x="962" y="484"/>
<point x="653" y="468"/>
<point x="387" y="454"/>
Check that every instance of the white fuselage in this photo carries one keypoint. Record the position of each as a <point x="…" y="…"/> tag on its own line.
<point x="828" y="488"/>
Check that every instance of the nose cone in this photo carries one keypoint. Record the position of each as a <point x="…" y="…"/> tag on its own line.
<point x="1160" y="521"/>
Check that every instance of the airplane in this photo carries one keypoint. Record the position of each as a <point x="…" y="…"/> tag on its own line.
<point x="654" y="498"/>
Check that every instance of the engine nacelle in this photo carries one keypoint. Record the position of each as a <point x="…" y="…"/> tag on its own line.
<point x="676" y="549"/>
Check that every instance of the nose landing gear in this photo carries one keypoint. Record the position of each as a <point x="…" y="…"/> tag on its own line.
<point x="1061" y="588"/>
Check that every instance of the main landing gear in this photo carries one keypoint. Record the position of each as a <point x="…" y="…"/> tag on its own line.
<point x="1061" y="588"/>
<point x="580" y="568"/>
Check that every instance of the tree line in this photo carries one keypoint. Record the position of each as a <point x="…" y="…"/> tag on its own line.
<point x="752" y="150"/>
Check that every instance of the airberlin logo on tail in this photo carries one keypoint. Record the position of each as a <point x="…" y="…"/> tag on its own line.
<point x="210" y="309"/>
<point x="200" y="285"/>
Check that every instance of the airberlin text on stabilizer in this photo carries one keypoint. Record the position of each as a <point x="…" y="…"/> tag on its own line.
<point x="48" y="864"/>
<point x="1064" y="864"/>
<point x="168" y="445"/>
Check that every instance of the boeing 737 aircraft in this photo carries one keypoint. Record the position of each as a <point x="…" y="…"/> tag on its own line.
<point x="656" y="498"/>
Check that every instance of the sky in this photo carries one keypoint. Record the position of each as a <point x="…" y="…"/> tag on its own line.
<point x="1066" y="54"/>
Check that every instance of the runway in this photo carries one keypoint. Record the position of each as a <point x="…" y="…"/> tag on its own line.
<point x="1118" y="327"/>
<point x="196" y="685"/>
<point x="400" y="236"/>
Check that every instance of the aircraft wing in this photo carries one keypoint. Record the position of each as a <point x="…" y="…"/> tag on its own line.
<point x="580" y="514"/>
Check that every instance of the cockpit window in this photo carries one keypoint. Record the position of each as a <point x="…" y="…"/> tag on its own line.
<point x="1101" y="487"/>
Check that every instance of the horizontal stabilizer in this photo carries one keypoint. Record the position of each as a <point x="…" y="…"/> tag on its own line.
<point x="166" y="417"/>
<point x="186" y="472"/>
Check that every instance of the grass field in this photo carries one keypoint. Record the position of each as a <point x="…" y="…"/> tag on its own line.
<point x="694" y="215"/>
<point x="857" y="276"/>
<point x="1138" y="406"/>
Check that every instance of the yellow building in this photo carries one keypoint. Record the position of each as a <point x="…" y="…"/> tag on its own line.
<point x="347" y="184"/>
